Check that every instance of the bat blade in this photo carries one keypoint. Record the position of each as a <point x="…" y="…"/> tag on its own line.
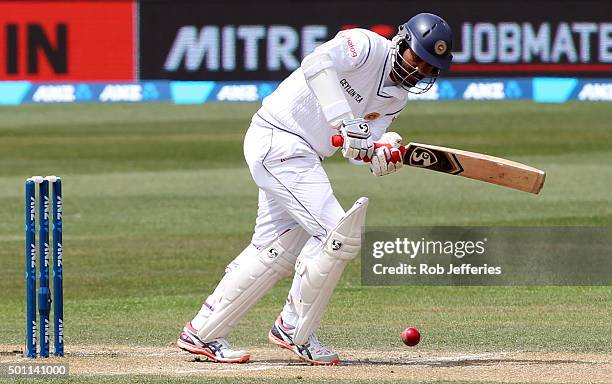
<point x="475" y="166"/>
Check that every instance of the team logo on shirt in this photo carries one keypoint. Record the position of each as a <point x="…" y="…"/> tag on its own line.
<point x="372" y="116"/>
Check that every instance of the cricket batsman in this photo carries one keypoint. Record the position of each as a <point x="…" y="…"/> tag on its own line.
<point x="353" y="85"/>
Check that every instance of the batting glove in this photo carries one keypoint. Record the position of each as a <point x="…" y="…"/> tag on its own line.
<point x="358" y="143"/>
<point x="383" y="162"/>
<point x="385" y="159"/>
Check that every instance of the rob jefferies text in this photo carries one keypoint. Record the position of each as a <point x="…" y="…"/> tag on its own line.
<point x="410" y="249"/>
<point x="485" y="256"/>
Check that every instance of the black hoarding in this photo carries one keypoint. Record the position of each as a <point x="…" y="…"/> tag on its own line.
<point x="266" y="40"/>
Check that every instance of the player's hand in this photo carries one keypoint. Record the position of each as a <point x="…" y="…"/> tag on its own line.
<point x="386" y="160"/>
<point x="358" y="143"/>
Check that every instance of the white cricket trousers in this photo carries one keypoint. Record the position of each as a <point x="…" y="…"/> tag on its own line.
<point x="293" y="190"/>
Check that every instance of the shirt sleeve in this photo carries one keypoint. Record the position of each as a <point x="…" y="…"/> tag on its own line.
<point x="348" y="50"/>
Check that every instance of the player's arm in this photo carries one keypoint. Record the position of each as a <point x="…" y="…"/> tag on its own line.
<point x="320" y="70"/>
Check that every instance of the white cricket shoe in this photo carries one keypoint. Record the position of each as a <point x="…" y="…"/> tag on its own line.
<point x="217" y="350"/>
<point x="312" y="352"/>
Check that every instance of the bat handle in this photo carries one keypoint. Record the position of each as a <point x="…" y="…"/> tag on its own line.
<point x="338" y="141"/>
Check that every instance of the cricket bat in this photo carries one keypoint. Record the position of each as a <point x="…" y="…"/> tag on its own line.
<point x="477" y="166"/>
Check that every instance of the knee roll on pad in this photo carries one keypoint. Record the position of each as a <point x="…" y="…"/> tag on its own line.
<point x="252" y="279"/>
<point x="321" y="273"/>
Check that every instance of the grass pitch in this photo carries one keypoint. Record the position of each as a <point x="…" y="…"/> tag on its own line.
<point x="158" y="199"/>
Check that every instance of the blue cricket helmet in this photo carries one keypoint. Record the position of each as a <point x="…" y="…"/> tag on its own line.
<point x="430" y="37"/>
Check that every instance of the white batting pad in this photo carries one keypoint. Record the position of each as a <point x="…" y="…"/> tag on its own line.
<point x="320" y="274"/>
<point x="252" y="279"/>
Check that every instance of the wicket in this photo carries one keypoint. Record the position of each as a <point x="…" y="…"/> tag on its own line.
<point x="44" y="292"/>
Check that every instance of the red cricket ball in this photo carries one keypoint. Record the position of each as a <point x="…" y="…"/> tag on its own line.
<point x="411" y="336"/>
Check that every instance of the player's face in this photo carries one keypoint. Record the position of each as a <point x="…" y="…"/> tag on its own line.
<point x="411" y="69"/>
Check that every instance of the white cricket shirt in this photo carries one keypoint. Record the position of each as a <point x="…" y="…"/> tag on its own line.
<point x="363" y="62"/>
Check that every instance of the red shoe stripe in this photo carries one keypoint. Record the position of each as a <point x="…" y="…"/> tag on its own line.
<point x="191" y="329"/>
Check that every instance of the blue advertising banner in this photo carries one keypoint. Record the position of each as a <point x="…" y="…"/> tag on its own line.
<point x="478" y="89"/>
<point x="538" y="89"/>
<point x="560" y="90"/>
<point x="98" y="92"/>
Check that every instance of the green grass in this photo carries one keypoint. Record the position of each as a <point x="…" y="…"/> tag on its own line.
<point x="157" y="200"/>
